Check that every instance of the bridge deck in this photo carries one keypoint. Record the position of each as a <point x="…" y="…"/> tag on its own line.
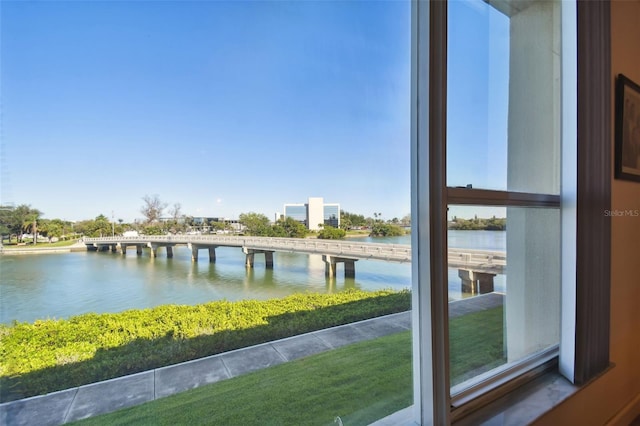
<point x="478" y="260"/>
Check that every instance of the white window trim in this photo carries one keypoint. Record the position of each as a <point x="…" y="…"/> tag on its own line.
<point x="569" y="190"/>
<point x="424" y="350"/>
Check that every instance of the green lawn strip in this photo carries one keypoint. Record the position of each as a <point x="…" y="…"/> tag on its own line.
<point x="40" y="245"/>
<point x="50" y="355"/>
<point x="476" y="343"/>
<point x="360" y="383"/>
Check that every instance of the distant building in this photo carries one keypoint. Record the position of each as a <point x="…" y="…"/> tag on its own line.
<point x="315" y="212"/>
<point x="202" y="224"/>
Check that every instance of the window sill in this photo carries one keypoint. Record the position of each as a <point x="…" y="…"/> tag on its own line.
<point x="525" y="404"/>
<point x="521" y="406"/>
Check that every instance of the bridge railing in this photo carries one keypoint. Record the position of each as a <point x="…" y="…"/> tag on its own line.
<point x="478" y="260"/>
<point x="457" y="258"/>
<point x="360" y="250"/>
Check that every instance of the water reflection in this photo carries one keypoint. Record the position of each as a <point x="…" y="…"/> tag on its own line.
<point x="61" y="285"/>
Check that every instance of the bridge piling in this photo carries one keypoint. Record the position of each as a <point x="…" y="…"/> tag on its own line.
<point x="194" y="252"/>
<point x="475" y="282"/>
<point x="250" y="257"/>
<point x="196" y="247"/>
<point x="349" y="268"/>
<point x="330" y="269"/>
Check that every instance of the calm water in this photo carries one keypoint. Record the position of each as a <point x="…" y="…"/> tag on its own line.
<point x="62" y="285"/>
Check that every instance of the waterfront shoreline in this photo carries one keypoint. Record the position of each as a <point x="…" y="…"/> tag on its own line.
<point x="49" y="355"/>
<point x="79" y="246"/>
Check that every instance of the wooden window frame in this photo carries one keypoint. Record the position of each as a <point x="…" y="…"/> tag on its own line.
<point x="585" y="195"/>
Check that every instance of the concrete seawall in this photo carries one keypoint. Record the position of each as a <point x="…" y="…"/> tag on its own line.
<point x="44" y="250"/>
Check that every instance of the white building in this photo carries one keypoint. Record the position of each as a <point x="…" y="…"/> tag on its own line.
<point x="314" y="213"/>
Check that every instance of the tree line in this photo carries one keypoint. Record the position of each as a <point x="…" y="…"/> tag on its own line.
<point x="15" y="222"/>
<point x="476" y="224"/>
<point x="349" y="221"/>
<point x="160" y="219"/>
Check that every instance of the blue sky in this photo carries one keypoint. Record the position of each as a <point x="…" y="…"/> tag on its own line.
<point x="224" y="107"/>
<point x="478" y="77"/>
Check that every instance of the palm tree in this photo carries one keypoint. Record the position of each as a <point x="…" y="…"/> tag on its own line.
<point x="30" y="223"/>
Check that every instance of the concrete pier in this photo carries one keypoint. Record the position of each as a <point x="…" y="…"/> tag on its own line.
<point x="196" y="247"/>
<point x="122" y="247"/>
<point x="332" y="261"/>
<point x="250" y="257"/>
<point x="474" y="282"/>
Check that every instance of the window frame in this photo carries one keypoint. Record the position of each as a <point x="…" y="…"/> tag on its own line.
<point x="592" y="284"/>
<point x="585" y="194"/>
<point x="428" y="210"/>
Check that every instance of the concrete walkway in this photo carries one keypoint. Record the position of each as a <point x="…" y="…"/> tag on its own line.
<point x="111" y="395"/>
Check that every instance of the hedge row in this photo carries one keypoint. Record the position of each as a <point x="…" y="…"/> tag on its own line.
<point x="50" y="355"/>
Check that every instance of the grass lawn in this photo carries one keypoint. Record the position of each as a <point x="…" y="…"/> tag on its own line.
<point x="40" y="244"/>
<point x="360" y="383"/>
<point x="476" y="344"/>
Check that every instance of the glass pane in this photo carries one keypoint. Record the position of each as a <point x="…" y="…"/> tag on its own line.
<point x="477" y="95"/>
<point x="503" y="96"/>
<point x="504" y="286"/>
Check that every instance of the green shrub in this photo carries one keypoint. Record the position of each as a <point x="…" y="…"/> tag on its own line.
<point x="380" y="229"/>
<point x="50" y="355"/>
<point x="331" y="233"/>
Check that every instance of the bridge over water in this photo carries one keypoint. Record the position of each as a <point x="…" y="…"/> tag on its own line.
<point x="476" y="268"/>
